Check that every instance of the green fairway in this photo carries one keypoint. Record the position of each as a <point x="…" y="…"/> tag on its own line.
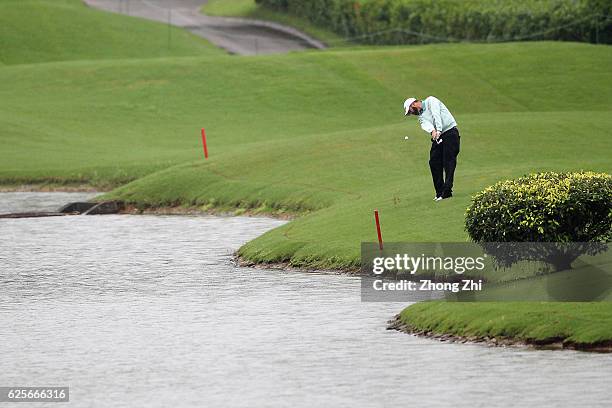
<point x="60" y="30"/>
<point x="317" y="131"/>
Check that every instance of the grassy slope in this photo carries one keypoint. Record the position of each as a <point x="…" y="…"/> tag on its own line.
<point x="52" y="129"/>
<point x="59" y="30"/>
<point x="332" y="118"/>
<point x="580" y="324"/>
<point x="249" y="9"/>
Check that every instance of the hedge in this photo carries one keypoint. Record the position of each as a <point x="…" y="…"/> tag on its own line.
<point x="543" y="207"/>
<point x="560" y="209"/>
<point x="426" y="21"/>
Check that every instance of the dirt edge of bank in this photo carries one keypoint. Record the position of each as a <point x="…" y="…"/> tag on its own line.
<point x="549" y="344"/>
<point x="286" y="266"/>
<point x="179" y="210"/>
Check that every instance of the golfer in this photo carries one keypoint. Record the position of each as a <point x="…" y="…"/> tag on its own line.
<point x="436" y="120"/>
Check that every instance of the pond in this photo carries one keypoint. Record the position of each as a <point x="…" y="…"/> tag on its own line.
<point x="140" y="310"/>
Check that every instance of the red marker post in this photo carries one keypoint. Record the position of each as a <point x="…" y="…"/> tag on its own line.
<point x="380" y="241"/>
<point x="204" y="144"/>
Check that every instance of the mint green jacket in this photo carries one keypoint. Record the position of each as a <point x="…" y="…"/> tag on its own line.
<point x="436" y="116"/>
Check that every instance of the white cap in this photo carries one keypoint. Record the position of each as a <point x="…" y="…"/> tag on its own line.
<point x="407" y="105"/>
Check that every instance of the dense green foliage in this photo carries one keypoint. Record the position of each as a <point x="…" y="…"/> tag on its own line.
<point x="425" y="21"/>
<point x="543" y="207"/>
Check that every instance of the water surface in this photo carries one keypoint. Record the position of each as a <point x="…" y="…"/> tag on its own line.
<point x="134" y="311"/>
<point x="28" y="201"/>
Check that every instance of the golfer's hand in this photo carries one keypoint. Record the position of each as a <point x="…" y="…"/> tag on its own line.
<point x="435" y="135"/>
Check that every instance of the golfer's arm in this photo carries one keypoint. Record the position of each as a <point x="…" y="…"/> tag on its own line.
<point x="434" y="105"/>
<point x="427" y="126"/>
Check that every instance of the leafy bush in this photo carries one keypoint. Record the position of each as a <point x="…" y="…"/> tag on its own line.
<point x="424" y="21"/>
<point x="550" y="207"/>
<point x="543" y="207"/>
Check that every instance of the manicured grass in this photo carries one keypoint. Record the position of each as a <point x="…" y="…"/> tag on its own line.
<point x="60" y="30"/>
<point x="316" y="131"/>
<point x="249" y="9"/>
<point x="330" y="134"/>
<point x="580" y="324"/>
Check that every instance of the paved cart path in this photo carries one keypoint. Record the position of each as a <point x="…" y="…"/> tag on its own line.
<point x="236" y="35"/>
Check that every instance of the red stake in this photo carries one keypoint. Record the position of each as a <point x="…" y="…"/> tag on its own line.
<point x="380" y="241"/>
<point x="204" y="143"/>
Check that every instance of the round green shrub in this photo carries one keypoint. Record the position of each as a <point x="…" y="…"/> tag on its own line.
<point x="543" y="207"/>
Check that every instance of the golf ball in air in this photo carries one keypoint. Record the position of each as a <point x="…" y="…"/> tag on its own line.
<point x="406" y="138"/>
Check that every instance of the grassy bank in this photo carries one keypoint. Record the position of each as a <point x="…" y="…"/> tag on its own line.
<point x="320" y="133"/>
<point x="569" y="325"/>
<point x="59" y="127"/>
<point x="249" y="9"/>
<point x="326" y="138"/>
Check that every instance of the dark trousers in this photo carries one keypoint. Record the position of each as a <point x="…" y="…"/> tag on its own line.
<point x="443" y="160"/>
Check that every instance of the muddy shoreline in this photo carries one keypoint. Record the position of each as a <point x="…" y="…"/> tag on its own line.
<point x="285" y="266"/>
<point x="549" y="344"/>
<point x="177" y="210"/>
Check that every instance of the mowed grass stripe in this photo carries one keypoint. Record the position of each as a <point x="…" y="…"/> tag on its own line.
<point x="34" y="31"/>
